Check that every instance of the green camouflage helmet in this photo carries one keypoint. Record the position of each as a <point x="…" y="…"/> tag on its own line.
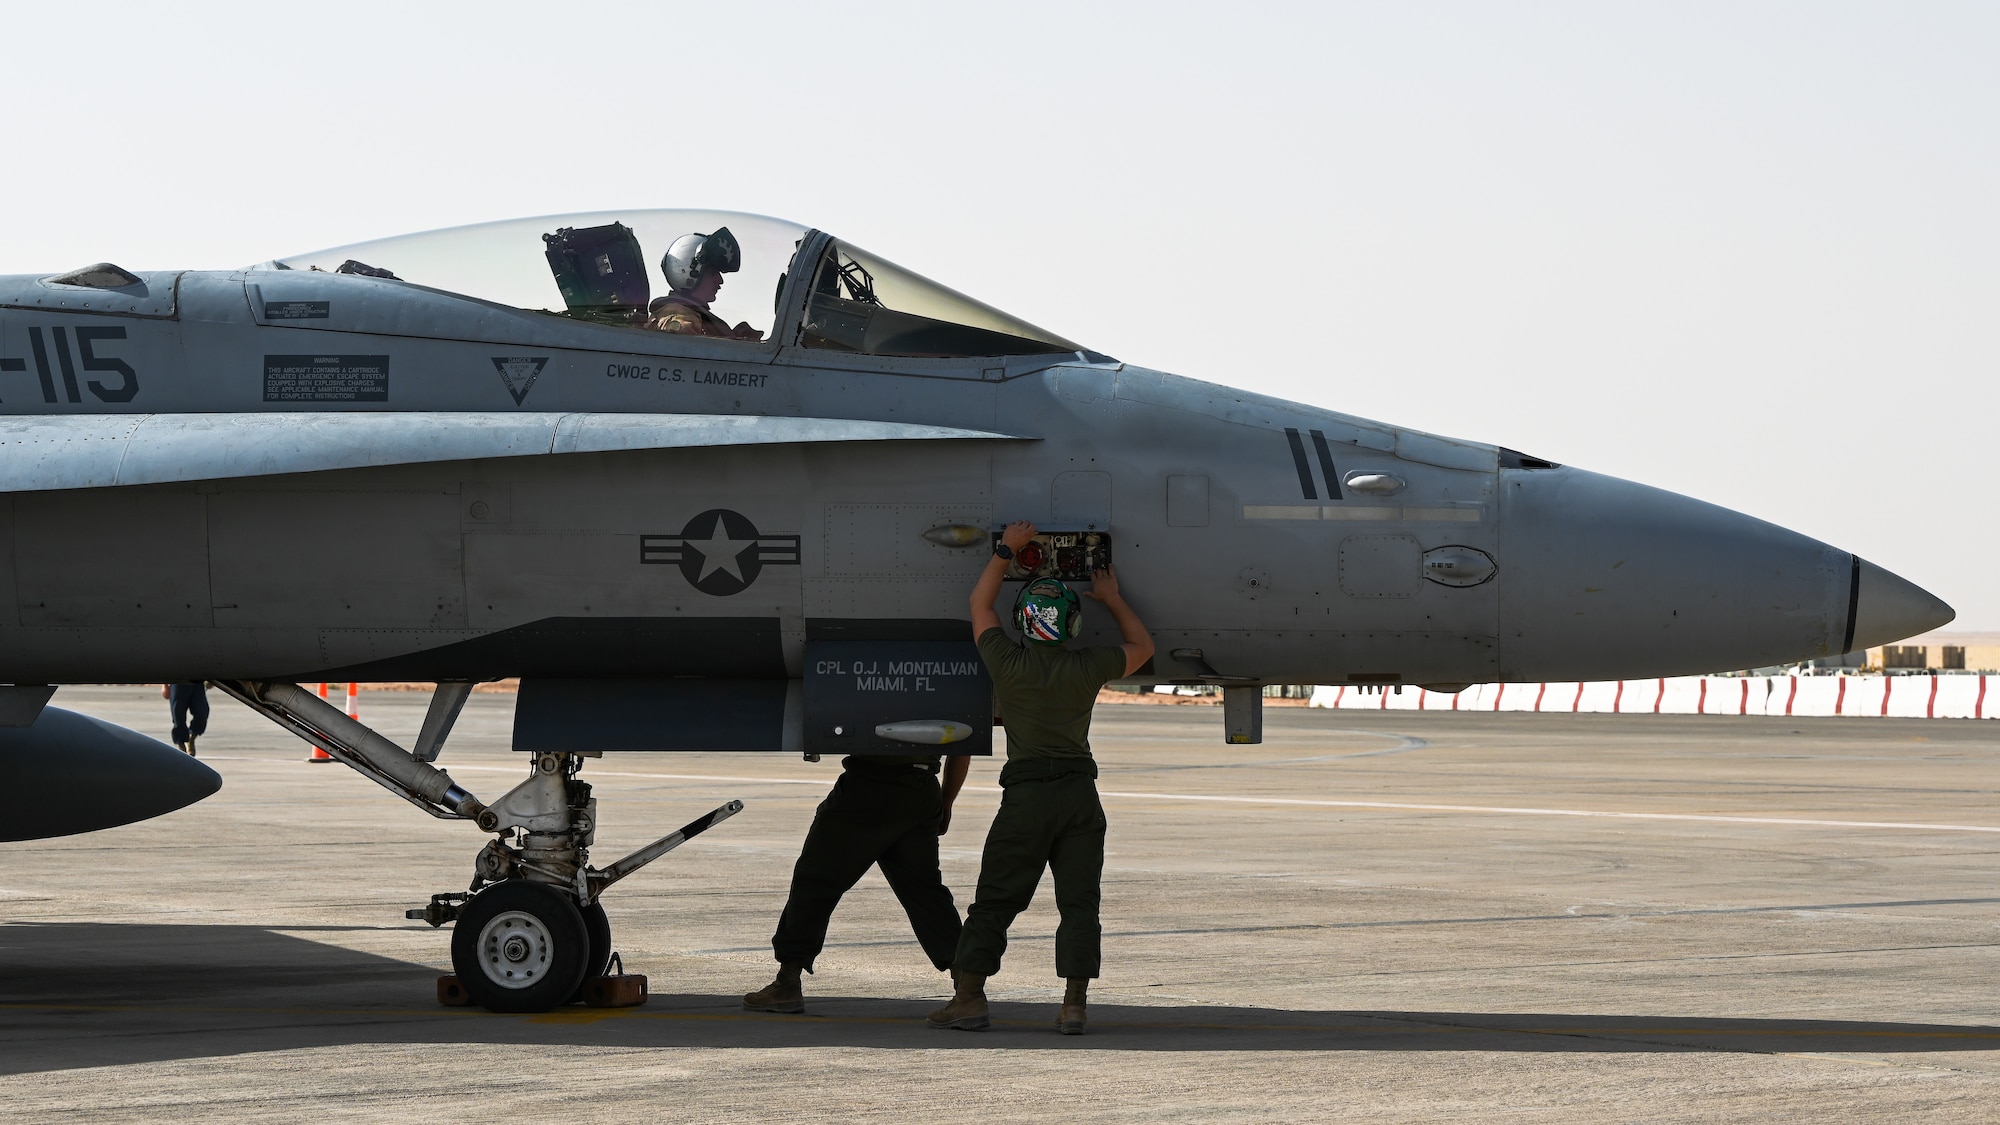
<point x="1047" y="612"/>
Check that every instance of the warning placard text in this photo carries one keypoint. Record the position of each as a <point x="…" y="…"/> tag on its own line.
<point x="326" y="378"/>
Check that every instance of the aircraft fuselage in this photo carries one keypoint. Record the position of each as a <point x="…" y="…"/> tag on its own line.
<point x="1285" y="542"/>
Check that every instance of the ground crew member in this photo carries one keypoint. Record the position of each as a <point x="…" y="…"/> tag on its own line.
<point x="188" y="703"/>
<point x="694" y="266"/>
<point x="1049" y="813"/>
<point x="885" y="810"/>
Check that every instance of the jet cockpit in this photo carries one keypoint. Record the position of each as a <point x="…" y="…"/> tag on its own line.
<point x="783" y="282"/>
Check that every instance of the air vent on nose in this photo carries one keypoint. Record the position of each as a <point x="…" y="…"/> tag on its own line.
<point x="1515" y="459"/>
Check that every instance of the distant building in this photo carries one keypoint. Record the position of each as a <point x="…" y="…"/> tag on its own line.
<point x="1940" y="652"/>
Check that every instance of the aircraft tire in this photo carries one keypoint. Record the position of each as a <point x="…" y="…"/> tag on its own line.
<point x="598" y="926"/>
<point x="520" y="947"/>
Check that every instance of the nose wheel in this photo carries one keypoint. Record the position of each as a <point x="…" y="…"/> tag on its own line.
<point x="523" y="947"/>
<point x="598" y="927"/>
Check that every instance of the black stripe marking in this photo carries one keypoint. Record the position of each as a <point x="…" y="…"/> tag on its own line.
<point x="1326" y="465"/>
<point x="42" y="364"/>
<point x="1853" y="601"/>
<point x="68" y="366"/>
<point x="1299" y="460"/>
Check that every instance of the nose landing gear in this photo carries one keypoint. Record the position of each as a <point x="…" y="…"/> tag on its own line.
<point x="531" y="931"/>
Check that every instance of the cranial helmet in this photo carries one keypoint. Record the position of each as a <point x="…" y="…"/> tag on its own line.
<point x="1047" y="612"/>
<point x="694" y="255"/>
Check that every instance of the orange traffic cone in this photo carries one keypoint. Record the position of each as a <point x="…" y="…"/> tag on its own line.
<point x="319" y="755"/>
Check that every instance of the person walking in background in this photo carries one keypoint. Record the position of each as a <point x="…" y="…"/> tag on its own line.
<point x="189" y="705"/>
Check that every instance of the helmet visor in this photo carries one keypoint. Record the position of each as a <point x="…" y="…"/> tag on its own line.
<point x="719" y="252"/>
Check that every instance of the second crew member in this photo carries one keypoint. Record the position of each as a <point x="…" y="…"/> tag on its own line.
<point x="885" y="810"/>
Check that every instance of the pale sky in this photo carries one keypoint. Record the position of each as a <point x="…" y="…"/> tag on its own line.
<point x="1745" y="251"/>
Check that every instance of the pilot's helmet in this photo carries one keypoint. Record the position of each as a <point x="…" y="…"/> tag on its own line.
<point x="1047" y="612"/>
<point x="694" y="255"/>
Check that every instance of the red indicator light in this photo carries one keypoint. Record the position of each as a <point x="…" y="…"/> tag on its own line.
<point x="1030" y="557"/>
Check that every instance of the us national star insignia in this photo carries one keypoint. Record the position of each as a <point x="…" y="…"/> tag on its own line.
<point x="720" y="552"/>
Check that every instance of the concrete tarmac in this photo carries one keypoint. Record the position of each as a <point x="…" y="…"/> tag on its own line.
<point x="1394" y="917"/>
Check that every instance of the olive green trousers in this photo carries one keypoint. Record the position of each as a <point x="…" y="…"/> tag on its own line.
<point x="1050" y="818"/>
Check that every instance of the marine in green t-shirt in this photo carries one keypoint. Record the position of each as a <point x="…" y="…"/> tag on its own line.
<point x="1049" y="815"/>
<point x="1046" y="693"/>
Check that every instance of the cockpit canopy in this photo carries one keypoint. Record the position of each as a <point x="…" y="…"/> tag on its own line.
<point x="795" y="286"/>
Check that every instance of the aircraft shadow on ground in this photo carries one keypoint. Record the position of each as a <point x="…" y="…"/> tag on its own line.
<point x="83" y="995"/>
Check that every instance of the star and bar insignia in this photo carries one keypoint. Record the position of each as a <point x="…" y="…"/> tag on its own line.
<point x="720" y="552"/>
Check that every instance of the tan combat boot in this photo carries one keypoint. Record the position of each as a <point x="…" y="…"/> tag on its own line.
<point x="967" y="1010"/>
<point x="782" y="995"/>
<point x="1070" y="1019"/>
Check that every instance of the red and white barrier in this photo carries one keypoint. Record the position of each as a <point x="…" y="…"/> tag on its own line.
<point x="1896" y="697"/>
<point x="1598" y="698"/>
<point x="1959" y="695"/>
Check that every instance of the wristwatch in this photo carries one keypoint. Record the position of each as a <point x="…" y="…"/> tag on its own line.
<point x="1002" y="550"/>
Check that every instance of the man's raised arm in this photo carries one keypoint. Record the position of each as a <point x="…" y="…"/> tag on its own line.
<point x="987" y="591"/>
<point x="1138" y="644"/>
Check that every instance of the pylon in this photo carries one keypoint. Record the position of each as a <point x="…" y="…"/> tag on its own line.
<point x="319" y="755"/>
<point x="354" y="702"/>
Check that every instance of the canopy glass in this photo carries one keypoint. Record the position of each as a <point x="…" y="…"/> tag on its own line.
<point x="607" y="267"/>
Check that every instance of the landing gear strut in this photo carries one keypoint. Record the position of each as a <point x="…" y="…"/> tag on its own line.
<point x="530" y="930"/>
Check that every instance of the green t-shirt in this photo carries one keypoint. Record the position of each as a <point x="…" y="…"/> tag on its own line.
<point x="1046" y="693"/>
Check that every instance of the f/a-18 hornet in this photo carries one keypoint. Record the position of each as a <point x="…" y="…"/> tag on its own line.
<point x="713" y="481"/>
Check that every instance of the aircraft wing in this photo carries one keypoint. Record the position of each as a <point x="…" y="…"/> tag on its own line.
<point x="40" y="453"/>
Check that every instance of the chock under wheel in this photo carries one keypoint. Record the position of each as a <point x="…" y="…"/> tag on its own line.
<point x="626" y="990"/>
<point x="621" y="990"/>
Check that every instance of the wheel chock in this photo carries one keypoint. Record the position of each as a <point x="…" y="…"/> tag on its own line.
<point x="626" y="990"/>
<point x="452" y="994"/>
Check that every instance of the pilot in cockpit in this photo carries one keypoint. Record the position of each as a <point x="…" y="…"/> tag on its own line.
<point x="694" y="266"/>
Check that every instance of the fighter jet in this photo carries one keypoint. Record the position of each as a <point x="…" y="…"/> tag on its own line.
<point x="715" y="481"/>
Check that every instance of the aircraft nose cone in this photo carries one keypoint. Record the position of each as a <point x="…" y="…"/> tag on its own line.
<point x="1888" y="607"/>
<point x="1607" y="579"/>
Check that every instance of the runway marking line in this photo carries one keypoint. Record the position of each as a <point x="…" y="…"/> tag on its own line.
<point x="1392" y="806"/>
<point x="1504" y="810"/>
<point x="1377" y="1024"/>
